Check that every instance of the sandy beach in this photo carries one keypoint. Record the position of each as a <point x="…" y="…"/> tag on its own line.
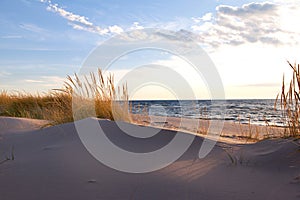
<point x="232" y="132"/>
<point x="52" y="163"/>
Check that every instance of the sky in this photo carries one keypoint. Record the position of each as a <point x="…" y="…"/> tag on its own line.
<point x="249" y="42"/>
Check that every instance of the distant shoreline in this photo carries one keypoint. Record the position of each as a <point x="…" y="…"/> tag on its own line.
<point x="258" y="112"/>
<point x="231" y="132"/>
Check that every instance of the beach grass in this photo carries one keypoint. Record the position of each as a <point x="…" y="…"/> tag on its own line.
<point x="289" y="102"/>
<point x="57" y="105"/>
<point x="53" y="106"/>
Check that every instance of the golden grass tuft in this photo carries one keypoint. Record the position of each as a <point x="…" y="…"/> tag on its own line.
<point x="53" y="106"/>
<point x="98" y="95"/>
<point x="290" y="103"/>
<point x="57" y="105"/>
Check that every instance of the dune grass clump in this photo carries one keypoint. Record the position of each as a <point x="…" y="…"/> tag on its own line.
<point x="57" y="105"/>
<point x="54" y="106"/>
<point x="96" y="95"/>
<point x="290" y="103"/>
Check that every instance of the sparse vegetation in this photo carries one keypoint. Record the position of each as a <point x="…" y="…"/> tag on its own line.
<point x="9" y="158"/>
<point x="290" y="103"/>
<point x="56" y="106"/>
<point x="95" y="94"/>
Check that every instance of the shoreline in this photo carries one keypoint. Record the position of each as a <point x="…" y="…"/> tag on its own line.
<point x="231" y="132"/>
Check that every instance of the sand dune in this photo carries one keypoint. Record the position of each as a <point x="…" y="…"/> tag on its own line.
<point x="11" y="124"/>
<point x="52" y="163"/>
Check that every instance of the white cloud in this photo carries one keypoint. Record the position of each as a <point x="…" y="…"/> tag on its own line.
<point x="204" y="18"/>
<point x="93" y="29"/>
<point x="69" y="15"/>
<point x="204" y="27"/>
<point x="80" y="22"/>
<point x="207" y="17"/>
<point x="115" y="29"/>
<point x="136" y="26"/>
<point x="249" y="9"/>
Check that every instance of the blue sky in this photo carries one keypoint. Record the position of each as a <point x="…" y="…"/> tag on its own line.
<point x="43" y="41"/>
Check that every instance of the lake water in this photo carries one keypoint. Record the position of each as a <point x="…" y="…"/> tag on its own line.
<point x="256" y="111"/>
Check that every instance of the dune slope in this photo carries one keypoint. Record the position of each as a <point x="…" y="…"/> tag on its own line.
<point x="52" y="163"/>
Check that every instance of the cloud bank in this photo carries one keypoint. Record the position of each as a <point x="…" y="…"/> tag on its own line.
<point x="251" y="23"/>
